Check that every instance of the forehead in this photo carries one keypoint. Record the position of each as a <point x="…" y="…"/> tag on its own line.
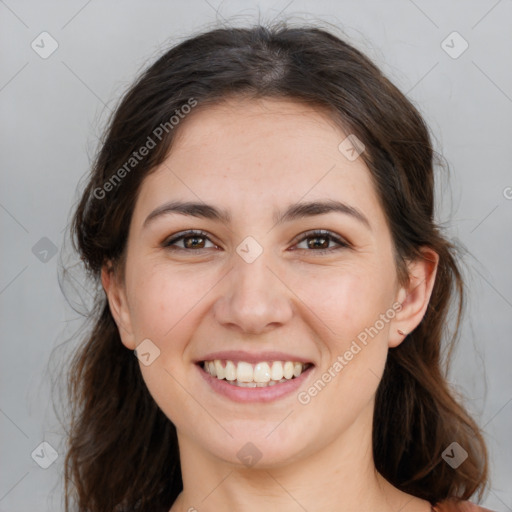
<point x="257" y="154"/>
<point x="239" y="128"/>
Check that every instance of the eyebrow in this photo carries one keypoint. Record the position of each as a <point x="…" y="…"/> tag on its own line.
<point x="293" y="212"/>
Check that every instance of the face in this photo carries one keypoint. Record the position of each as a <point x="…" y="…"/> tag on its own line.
<point x="260" y="286"/>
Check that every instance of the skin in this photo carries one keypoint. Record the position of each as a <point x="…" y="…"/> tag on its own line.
<point x="251" y="157"/>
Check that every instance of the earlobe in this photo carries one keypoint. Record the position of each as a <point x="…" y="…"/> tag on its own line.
<point x="414" y="296"/>
<point x="118" y="304"/>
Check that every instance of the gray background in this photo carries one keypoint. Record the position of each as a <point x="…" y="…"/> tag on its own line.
<point x="53" y="109"/>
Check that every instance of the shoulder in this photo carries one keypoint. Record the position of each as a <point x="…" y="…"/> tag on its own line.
<point x="458" y="506"/>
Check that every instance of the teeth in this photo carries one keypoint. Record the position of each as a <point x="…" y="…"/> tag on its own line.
<point x="288" y="370"/>
<point x="219" y="369"/>
<point x="262" y="374"/>
<point x="230" y="371"/>
<point x="256" y="384"/>
<point x="277" y="370"/>
<point x="244" y="372"/>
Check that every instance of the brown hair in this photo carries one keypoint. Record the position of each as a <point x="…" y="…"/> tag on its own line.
<point x="123" y="452"/>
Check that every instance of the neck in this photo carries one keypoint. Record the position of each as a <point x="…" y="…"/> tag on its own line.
<point x="339" y="477"/>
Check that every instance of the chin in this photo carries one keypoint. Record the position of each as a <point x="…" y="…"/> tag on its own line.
<point x="254" y="448"/>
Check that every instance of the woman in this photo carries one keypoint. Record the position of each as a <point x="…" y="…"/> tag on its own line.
<point x="260" y="216"/>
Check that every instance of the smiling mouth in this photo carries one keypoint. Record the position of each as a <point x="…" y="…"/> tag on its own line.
<point x="263" y="374"/>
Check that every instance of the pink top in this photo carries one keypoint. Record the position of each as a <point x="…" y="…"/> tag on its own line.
<point x="458" y="506"/>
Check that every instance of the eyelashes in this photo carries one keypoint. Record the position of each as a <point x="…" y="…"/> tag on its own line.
<point x="189" y="238"/>
<point x="327" y="237"/>
<point x="185" y="235"/>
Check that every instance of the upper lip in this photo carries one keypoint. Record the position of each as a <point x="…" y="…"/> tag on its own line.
<point x="252" y="357"/>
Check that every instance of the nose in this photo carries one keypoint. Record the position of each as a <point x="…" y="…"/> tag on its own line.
<point x="253" y="299"/>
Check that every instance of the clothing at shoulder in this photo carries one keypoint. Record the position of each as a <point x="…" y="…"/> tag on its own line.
<point x="458" y="506"/>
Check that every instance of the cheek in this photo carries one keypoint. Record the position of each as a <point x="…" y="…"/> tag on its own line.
<point x="347" y="299"/>
<point x="354" y="306"/>
<point x="165" y="302"/>
<point x="152" y="301"/>
<point x="354" y="344"/>
<point x="166" y="308"/>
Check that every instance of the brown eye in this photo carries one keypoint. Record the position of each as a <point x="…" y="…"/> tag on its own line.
<point x="190" y="240"/>
<point x="319" y="241"/>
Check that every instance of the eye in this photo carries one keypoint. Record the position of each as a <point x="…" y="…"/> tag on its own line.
<point x="197" y="240"/>
<point x="191" y="240"/>
<point x="321" y="240"/>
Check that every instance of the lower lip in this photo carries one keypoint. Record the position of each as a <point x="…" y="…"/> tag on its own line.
<point x="266" y="394"/>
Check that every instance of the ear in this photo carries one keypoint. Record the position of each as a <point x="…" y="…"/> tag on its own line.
<point x="118" y="303"/>
<point x="414" y="296"/>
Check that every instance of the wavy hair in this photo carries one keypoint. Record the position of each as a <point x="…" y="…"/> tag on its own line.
<point x="416" y="414"/>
